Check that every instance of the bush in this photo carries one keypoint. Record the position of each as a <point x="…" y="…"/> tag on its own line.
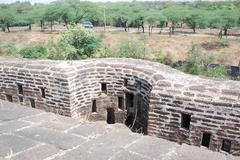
<point x="198" y="57"/>
<point x="83" y="40"/>
<point x="34" y="51"/>
<point x="60" y="50"/>
<point x="128" y="48"/>
<point x="3" y="27"/>
<point x="224" y="43"/>
<point x="218" y="72"/>
<point x="164" y="59"/>
<point x="191" y="68"/>
<point x="10" y="49"/>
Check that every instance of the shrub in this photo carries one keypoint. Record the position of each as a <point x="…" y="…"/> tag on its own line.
<point x="224" y="43"/>
<point x="83" y="40"/>
<point x="60" y="50"/>
<point x="34" y="51"/>
<point x="218" y="72"/>
<point x="164" y="59"/>
<point x="3" y="27"/>
<point x="129" y="48"/>
<point x="191" y="68"/>
<point x="198" y="57"/>
<point x="10" y="49"/>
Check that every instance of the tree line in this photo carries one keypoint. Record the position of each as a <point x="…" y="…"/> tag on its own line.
<point x="198" y="14"/>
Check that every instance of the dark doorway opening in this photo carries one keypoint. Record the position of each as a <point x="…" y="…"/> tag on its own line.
<point x="9" y="98"/>
<point x="20" y="89"/>
<point x="226" y="145"/>
<point x="104" y="87"/>
<point x="94" y="106"/>
<point x="206" y="137"/>
<point x="32" y="102"/>
<point x="129" y="100"/>
<point x="20" y="99"/>
<point x="185" y="121"/>
<point x="43" y="92"/>
<point x="129" y="121"/>
<point x="110" y="116"/>
<point x="120" y="103"/>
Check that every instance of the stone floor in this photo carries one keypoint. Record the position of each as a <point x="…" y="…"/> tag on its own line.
<point x="31" y="134"/>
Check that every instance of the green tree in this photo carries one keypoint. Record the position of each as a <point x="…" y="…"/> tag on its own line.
<point x="83" y="40"/>
<point x="51" y="14"/>
<point x="223" y="20"/>
<point x="196" y="19"/>
<point x="175" y="15"/>
<point x="152" y="21"/>
<point x="139" y="21"/>
<point x="7" y="19"/>
<point x="155" y="19"/>
<point x="161" y="21"/>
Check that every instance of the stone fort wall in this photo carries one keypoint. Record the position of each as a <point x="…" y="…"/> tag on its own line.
<point x="149" y="97"/>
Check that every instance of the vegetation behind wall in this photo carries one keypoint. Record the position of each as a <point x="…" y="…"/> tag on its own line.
<point x="198" y="14"/>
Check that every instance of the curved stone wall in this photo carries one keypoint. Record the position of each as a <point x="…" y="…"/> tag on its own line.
<point x="152" y="98"/>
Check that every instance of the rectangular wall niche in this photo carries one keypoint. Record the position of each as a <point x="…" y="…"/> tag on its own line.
<point x="32" y="103"/>
<point x="120" y="103"/>
<point x="110" y="116"/>
<point x="206" y="137"/>
<point x="104" y="87"/>
<point x="129" y="100"/>
<point x="94" y="106"/>
<point x="20" y="99"/>
<point x="43" y="92"/>
<point x="9" y="98"/>
<point x="20" y="89"/>
<point x="185" y="121"/>
<point x="226" y="145"/>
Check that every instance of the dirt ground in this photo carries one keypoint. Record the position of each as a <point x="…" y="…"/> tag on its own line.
<point x="177" y="46"/>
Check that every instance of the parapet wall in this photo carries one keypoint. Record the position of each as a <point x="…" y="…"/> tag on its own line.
<point x="167" y="103"/>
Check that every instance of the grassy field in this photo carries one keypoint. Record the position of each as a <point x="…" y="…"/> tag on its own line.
<point x="177" y="47"/>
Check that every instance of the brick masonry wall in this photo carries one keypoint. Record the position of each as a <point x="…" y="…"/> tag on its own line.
<point x="33" y="76"/>
<point x="72" y="86"/>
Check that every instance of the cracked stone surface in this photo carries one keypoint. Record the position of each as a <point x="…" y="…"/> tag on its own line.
<point x="30" y="134"/>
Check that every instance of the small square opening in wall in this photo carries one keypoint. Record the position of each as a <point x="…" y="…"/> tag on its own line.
<point x="185" y="121"/>
<point x="226" y="145"/>
<point x="94" y="106"/>
<point x="20" y="99"/>
<point x="120" y="103"/>
<point x="32" y="102"/>
<point x="206" y="137"/>
<point x="9" y="98"/>
<point x="20" y="89"/>
<point x="104" y="87"/>
<point x="43" y="92"/>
